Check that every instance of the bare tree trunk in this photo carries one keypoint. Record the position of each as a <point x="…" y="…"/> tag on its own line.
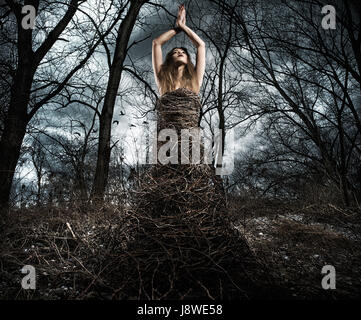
<point x="343" y="156"/>
<point x="104" y="149"/>
<point x="14" y="128"/>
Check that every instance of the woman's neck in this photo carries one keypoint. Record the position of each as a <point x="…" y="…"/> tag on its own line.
<point x="180" y="71"/>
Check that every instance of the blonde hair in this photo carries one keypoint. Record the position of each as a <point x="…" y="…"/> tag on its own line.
<point x="168" y="73"/>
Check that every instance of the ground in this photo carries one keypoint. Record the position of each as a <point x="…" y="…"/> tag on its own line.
<point x="73" y="249"/>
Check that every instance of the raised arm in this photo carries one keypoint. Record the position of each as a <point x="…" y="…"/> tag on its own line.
<point x="197" y="41"/>
<point x="157" y="58"/>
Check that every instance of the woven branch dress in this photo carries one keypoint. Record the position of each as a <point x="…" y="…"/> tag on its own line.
<point x="174" y="189"/>
<point x="183" y="240"/>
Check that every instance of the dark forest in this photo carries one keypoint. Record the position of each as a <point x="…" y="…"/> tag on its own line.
<point x="282" y="86"/>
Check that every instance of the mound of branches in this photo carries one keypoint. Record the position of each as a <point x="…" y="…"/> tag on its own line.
<point x="184" y="245"/>
<point x="175" y="242"/>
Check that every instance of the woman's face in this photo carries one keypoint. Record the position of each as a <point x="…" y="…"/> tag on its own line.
<point x="179" y="56"/>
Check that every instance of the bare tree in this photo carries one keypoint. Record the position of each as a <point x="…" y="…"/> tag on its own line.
<point x="307" y="80"/>
<point x="26" y="99"/>
<point x="106" y="116"/>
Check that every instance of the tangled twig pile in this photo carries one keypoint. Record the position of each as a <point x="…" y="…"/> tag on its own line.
<point x="184" y="246"/>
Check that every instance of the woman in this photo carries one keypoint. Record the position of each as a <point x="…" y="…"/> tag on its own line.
<point x="178" y="185"/>
<point x="178" y="83"/>
<point x="178" y="208"/>
<point x="177" y="71"/>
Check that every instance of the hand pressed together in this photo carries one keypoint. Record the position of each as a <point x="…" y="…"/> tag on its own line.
<point x="181" y="18"/>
